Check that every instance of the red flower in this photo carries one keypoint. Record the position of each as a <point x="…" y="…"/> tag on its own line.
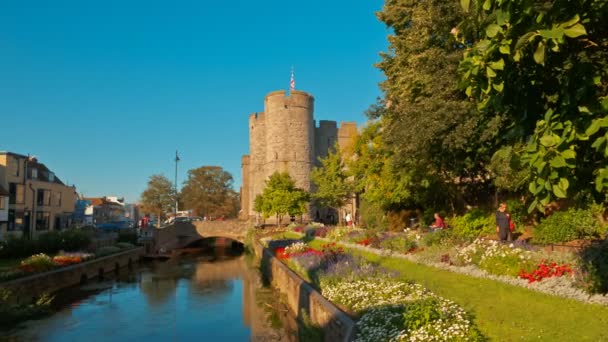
<point x="545" y="271"/>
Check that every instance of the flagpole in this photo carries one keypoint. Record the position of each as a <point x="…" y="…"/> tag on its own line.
<point x="176" y="160"/>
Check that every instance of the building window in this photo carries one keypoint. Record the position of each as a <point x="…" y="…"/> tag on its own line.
<point x="14" y="166"/>
<point x="34" y="174"/>
<point x="16" y="193"/>
<point x="15" y="220"/>
<point x="51" y="177"/>
<point x="43" y="197"/>
<point x="2" y="204"/>
<point x="57" y="199"/>
<point x="42" y="220"/>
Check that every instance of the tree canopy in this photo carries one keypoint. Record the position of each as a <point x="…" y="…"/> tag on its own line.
<point x="208" y="191"/>
<point x="159" y="196"/>
<point x="281" y="197"/>
<point x="334" y="188"/>
<point x="543" y="67"/>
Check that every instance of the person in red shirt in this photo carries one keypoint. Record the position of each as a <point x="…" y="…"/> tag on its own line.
<point x="438" y="224"/>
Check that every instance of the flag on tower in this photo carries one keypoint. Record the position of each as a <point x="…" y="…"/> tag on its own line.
<point x="176" y="157"/>
<point x="292" y="83"/>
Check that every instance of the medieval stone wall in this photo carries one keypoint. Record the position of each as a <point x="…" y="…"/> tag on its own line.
<point x="284" y="139"/>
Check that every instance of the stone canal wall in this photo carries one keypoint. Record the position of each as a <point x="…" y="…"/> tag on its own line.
<point x="337" y="326"/>
<point x="32" y="286"/>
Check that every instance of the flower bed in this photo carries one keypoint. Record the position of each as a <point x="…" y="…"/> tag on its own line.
<point x="389" y="309"/>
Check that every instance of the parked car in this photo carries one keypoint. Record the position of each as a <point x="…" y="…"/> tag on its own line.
<point x="182" y="219"/>
<point x="196" y="218"/>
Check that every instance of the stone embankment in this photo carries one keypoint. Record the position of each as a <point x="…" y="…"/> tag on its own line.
<point x="26" y="288"/>
<point x="301" y="297"/>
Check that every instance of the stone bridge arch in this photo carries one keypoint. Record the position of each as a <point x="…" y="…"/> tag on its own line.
<point x="182" y="234"/>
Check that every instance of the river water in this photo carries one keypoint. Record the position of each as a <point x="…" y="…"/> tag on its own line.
<point x="195" y="298"/>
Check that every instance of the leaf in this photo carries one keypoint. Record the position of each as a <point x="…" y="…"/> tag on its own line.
<point x="569" y="154"/>
<point x="499" y="87"/>
<point x="571" y="22"/>
<point x="593" y="128"/>
<point x="492" y="30"/>
<point x="487" y="5"/>
<point x="498" y="65"/>
<point x="548" y="115"/>
<point x="598" y="142"/>
<point x="539" y="54"/>
<point x="469" y="91"/>
<point x="540" y="165"/>
<point x="557" y="162"/>
<point x="575" y="31"/>
<point x="532" y="187"/>
<point x="465" y="4"/>
<point x="502" y="17"/>
<point x="533" y="206"/>
<point x="490" y="72"/>
<point x="504" y="49"/>
<point x="559" y="192"/>
<point x="548" y="140"/>
<point x="555" y="33"/>
<point x="563" y="183"/>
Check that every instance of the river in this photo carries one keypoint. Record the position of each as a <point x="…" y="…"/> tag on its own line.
<point x="196" y="298"/>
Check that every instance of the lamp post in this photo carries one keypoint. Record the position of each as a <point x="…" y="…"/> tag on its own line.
<point x="176" y="161"/>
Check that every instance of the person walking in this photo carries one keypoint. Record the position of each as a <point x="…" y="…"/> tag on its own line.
<point x="503" y="219"/>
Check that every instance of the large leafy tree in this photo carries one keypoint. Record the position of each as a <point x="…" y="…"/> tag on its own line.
<point x="333" y="185"/>
<point x="159" y="196"/>
<point x="543" y="68"/>
<point x="281" y="197"/>
<point x="208" y="191"/>
<point x="428" y="124"/>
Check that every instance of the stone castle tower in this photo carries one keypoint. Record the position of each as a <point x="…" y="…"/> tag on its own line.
<point x="284" y="138"/>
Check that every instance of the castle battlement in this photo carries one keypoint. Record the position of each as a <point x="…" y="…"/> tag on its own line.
<point x="285" y="138"/>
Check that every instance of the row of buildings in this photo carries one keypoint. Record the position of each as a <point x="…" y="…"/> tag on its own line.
<point x="34" y="200"/>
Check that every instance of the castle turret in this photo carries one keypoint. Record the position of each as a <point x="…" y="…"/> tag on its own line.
<point x="290" y="135"/>
<point x="257" y="159"/>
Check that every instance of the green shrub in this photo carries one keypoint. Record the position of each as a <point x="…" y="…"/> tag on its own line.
<point x="473" y="223"/>
<point x="593" y="265"/>
<point x="438" y="237"/>
<point x="373" y="216"/>
<point x="568" y="225"/>
<point x="398" y="244"/>
<point x="107" y="250"/>
<point x="49" y="243"/>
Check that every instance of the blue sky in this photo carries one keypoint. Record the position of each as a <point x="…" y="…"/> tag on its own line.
<point x="104" y="92"/>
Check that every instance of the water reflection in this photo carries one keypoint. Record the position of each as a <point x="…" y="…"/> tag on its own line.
<point x="194" y="298"/>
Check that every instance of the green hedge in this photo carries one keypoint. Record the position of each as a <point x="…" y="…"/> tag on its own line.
<point x="473" y="223"/>
<point x="568" y="225"/>
<point x="48" y="243"/>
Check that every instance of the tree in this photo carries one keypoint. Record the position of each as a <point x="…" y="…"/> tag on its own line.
<point x="333" y="186"/>
<point x="159" y="196"/>
<point x="208" y="191"/>
<point x="281" y="197"/>
<point x="543" y="67"/>
<point x="431" y="129"/>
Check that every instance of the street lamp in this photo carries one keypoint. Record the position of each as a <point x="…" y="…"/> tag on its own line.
<point x="176" y="161"/>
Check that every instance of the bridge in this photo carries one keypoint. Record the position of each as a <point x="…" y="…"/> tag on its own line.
<point x="181" y="234"/>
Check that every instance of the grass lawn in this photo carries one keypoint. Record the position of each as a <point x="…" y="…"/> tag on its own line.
<point x="505" y="312"/>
